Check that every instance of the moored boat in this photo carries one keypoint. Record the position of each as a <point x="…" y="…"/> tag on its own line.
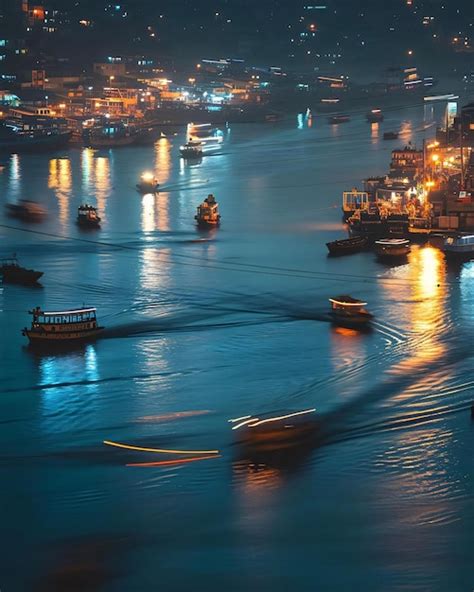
<point x="347" y="246"/>
<point x="208" y="213"/>
<point x="28" y="211"/>
<point x="275" y="431"/>
<point x="148" y="183"/>
<point x="392" y="248"/>
<point x="62" y="327"/>
<point x="390" y="136"/>
<point x="460" y="247"/>
<point x="87" y="216"/>
<point x="13" y="273"/>
<point x="347" y="311"/>
<point x="375" y="116"/>
<point x="192" y="149"/>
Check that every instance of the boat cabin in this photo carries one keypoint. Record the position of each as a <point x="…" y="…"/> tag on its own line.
<point x="79" y="319"/>
<point x="347" y="304"/>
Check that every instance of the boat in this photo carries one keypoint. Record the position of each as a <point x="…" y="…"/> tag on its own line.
<point x="208" y="212"/>
<point x="336" y="119"/>
<point x="281" y="430"/>
<point x="366" y="223"/>
<point x="27" y="211"/>
<point x="392" y="248"/>
<point x="375" y="116"/>
<point x="347" y="246"/>
<point x="347" y="311"/>
<point x="397" y="224"/>
<point x="13" y="273"/>
<point x="32" y="134"/>
<point x="209" y="136"/>
<point x="390" y="136"/>
<point x="192" y="149"/>
<point x="460" y="247"/>
<point x="62" y="327"/>
<point x="109" y="134"/>
<point x="148" y="183"/>
<point x="87" y="216"/>
<point x="352" y="201"/>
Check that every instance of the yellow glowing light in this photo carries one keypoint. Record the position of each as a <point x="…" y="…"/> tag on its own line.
<point x="158" y="450"/>
<point x="147" y="176"/>
<point x="435" y="157"/>
<point x="429" y="184"/>
<point x="62" y="105"/>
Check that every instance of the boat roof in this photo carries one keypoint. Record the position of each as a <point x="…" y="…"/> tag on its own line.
<point x="347" y="300"/>
<point x="65" y="312"/>
<point x="392" y="241"/>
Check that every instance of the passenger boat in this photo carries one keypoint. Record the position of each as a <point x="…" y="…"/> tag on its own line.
<point x="352" y="201"/>
<point x="192" y="149"/>
<point x="336" y="119"/>
<point x="349" y="312"/>
<point x="275" y="431"/>
<point x="28" y="211"/>
<point x="397" y="224"/>
<point x="366" y="223"/>
<point x="459" y="247"/>
<point x="347" y="246"/>
<point x="13" y="273"/>
<point x="148" y="183"/>
<point x="375" y="116"/>
<point x="390" y="136"/>
<point x="392" y="248"/>
<point x="208" y="213"/>
<point x="62" y="327"/>
<point x="87" y="216"/>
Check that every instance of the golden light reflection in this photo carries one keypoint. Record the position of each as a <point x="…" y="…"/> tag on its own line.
<point x="60" y="180"/>
<point x="155" y="212"/>
<point x="102" y="181"/>
<point x="163" y="159"/>
<point x="348" y="349"/>
<point x="406" y="130"/>
<point x="256" y="479"/>
<point x="374" y="132"/>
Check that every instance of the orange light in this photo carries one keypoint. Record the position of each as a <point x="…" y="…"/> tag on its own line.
<point x="159" y="450"/>
<point x="181" y="461"/>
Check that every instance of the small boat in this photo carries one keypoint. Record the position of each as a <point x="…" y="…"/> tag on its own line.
<point x="347" y="246"/>
<point x="87" y="216"/>
<point x="390" y="136"/>
<point x="375" y="116"/>
<point x="336" y="119"/>
<point x="392" y="248"/>
<point x="460" y="247"/>
<point x="13" y="273"/>
<point x="208" y="213"/>
<point x="270" y="432"/>
<point x="28" y="211"/>
<point x="349" y="312"/>
<point x="148" y="183"/>
<point x="62" y="327"/>
<point x="192" y="149"/>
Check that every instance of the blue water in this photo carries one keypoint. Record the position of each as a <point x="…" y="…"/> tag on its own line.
<point x="203" y="327"/>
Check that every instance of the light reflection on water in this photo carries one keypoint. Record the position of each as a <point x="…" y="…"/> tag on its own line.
<point x="60" y="180"/>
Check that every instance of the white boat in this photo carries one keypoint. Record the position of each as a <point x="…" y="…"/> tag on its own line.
<point x="192" y="149"/>
<point x="206" y="134"/>
<point x="392" y="248"/>
<point x="459" y="247"/>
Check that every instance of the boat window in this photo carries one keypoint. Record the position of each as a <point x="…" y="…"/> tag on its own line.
<point x="74" y="318"/>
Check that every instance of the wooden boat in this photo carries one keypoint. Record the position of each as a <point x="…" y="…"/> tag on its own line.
<point x="192" y="149"/>
<point x="347" y="246"/>
<point x="375" y="116"/>
<point x="62" y="327"/>
<point x="13" y="273"/>
<point x="392" y="248"/>
<point x="148" y="183"/>
<point x="275" y="431"/>
<point x="347" y="311"/>
<point x="87" y="216"/>
<point x="390" y="136"/>
<point x="208" y="213"/>
<point x="336" y="119"/>
<point x="27" y="211"/>
<point x="459" y="247"/>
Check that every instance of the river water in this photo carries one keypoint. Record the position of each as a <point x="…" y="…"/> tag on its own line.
<point x="204" y="327"/>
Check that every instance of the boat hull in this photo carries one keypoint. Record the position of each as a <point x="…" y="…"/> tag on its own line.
<point x="346" y="246"/>
<point x="47" y="142"/>
<point x="351" y="321"/>
<point x="48" y="338"/>
<point x="21" y="277"/>
<point x="458" y="255"/>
